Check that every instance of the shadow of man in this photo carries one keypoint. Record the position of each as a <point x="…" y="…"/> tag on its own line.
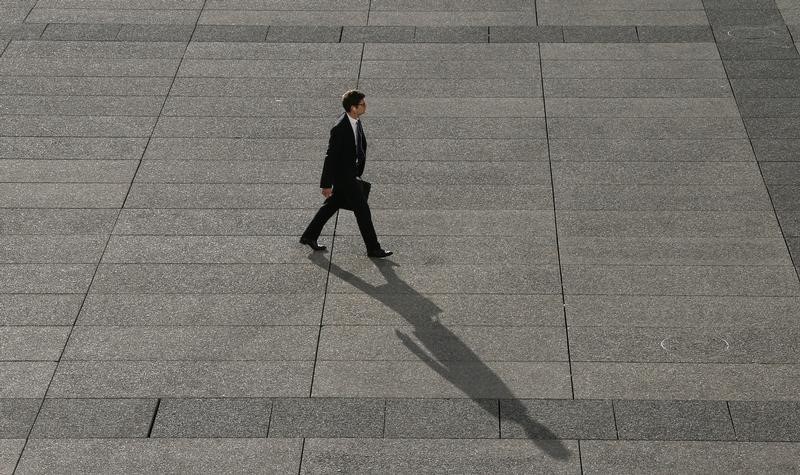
<point x="446" y="354"/>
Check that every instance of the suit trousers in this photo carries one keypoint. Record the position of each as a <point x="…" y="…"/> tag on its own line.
<point x="360" y="208"/>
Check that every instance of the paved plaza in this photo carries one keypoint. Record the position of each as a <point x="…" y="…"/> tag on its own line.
<point x="594" y="207"/>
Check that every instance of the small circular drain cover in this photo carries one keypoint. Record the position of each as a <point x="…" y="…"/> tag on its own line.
<point x="751" y="33"/>
<point x="695" y="345"/>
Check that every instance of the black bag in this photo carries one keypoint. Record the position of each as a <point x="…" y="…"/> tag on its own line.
<point x="365" y="187"/>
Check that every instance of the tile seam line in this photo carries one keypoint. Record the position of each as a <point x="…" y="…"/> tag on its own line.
<point x="96" y="268"/>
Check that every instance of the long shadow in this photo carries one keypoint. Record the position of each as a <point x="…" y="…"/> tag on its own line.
<point x="448" y="351"/>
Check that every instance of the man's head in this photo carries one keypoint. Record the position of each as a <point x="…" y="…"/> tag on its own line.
<point x="354" y="103"/>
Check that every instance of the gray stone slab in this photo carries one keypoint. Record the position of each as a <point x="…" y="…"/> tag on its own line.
<point x="90" y="86"/>
<point x="668" y="224"/>
<point x="261" y="68"/>
<point x="45" y="278"/>
<point x="304" y="34"/>
<point x="138" y="379"/>
<point x="757" y="51"/>
<point x="696" y="456"/>
<point x="462" y="150"/>
<point x="236" y="33"/>
<point x="25" y="379"/>
<point x="278" y="5"/>
<point x="449" y="69"/>
<point x="72" y="147"/>
<point x="770" y="107"/>
<point x="785" y="197"/>
<point x="647" y="128"/>
<point x="432" y="379"/>
<point x="177" y="33"/>
<point x="225" y="196"/>
<point x="451" y="34"/>
<point x="632" y="69"/>
<point x="450" y="310"/>
<point x="256" y="107"/>
<point x="62" y="195"/>
<point x="584" y="14"/>
<point x="179" y="222"/>
<point x="288" y="19"/>
<point x="740" y="382"/>
<point x="271" y="87"/>
<point x="97" y="15"/>
<point x="377" y="34"/>
<point x="768" y="127"/>
<point x="681" y="311"/>
<point x="32" y="343"/>
<point x="97" y="67"/>
<point x="327" y="417"/>
<point x="461" y="107"/>
<point x="39" y="309"/>
<point x="748" y="17"/>
<point x="672" y="251"/>
<point x="361" y="275"/>
<point x="94" y="49"/>
<point x="623" y="51"/>
<point x="207" y="418"/>
<point x="21" y="31"/>
<point x="197" y="148"/>
<point x="197" y="310"/>
<point x="661" y="198"/>
<point x="442" y="455"/>
<point x="445" y="343"/>
<point x="651" y="150"/>
<point x="81" y="105"/>
<point x="453" y="19"/>
<point x="442" y="419"/>
<point x="728" y="345"/>
<point x="56" y="222"/>
<point x="297" y="51"/>
<point x="681" y="280"/>
<point x="600" y="34"/>
<point x="26" y="249"/>
<point x="683" y="173"/>
<point x="778" y="150"/>
<point x="674" y="34"/>
<point x="451" y="52"/>
<point x="65" y="171"/>
<point x="781" y="173"/>
<point x="10" y="450"/>
<point x="160" y="455"/>
<point x="526" y="34"/>
<point x="556" y="419"/>
<point x="94" y="418"/>
<point x="449" y="88"/>
<point x="81" y="126"/>
<point x="739" y="4"/>
<point x="79" y="31"/>
<point x="790" y="222"/>
<point x="766" y="420"/>
<point x="208" y="278"/>
<point x="16" y="419"/>
<point x="215" y="343"/>
<point x="636" y="88"/>
<point x="763" y="69"/>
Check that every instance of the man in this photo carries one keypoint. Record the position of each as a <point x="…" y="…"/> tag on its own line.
<point x="340" y="182"/>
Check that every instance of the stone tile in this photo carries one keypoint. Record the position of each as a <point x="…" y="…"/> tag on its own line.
<point x="197" y="148"/>
<point x="177" y="33"/>
<point x="387" y="343"/>
<point x="179" y="222"/>
<point x="685" y="457"/>
<point x="433" y="379"/>
<point x="16" y="419"/>
<point x="297" y="51"/>
<point x="452" y="18"/>
<point x="259" y="87"/>
<point x="206" y="343"/>
<point x="89" y="67"/>
<point x="762" y="69"/>
<point x="674" y="34"/>
<point x="66" y="171"/>
<point x="62" y="195"/>
<point x="651" y="150"/>
<point x="94" y="49"/>
<point x="700" y="312"/>
<point x="683" y="173"/>
<point x="661" y="198"/>
<point x="785" y="197"/>
<point x="77" y="126"/>
<point x="681" y="280"/>
<point x="76" y="148"/>
<point x="623" y="51"/>
<point x="450" y="52"/>
<point x="221" y="196"/>
<point x="688" y="382"/>
<point x="767" y="127"/>
<point x="777" y="150"/>
<point x="790" y="222"/>
<point x="739" y="4"/>
<point x="557" y="419"/>
<point x="646" y="128"/>
<point x="766" y="420"/>
<point x="88" y="105"/>
<point x="26" y="249"/>
<point x="526" y="34"/>
<point x="450" y="310"/>
<point x="20" y="309"/>
<point x="451" y="34"/>
<point x="45" y="278"/>
<point x="378" y="34"/>
<point x="327" y="417"/>
<point x="455" y="128"/>
<point x="749" y="17"/>
<point x="636" y="88"/>
<point x="758" y="51"/>
<point x="765" y="88"/>
<point x="234" y="33"/>
<point x="452" y="456"/>
<point x="138" y="379"/>
<point x="208" y="278"/>
<point x="255" y="107"/>
<point x="160" y="455"/>
<point x="288" y="19"/>
<point x="770" y="107"/>
<point x="91" y="86"/>
<point x="304" y="34"/>
<point x="667" y="224"/>
<point x="209" y="418"/>
<point x="661" y="69"/>
<point x="10" y="450"/>
<point x="448" y="69"/>
<point x="56" y="221"/>
<point x="78" y="31"/>
<point x="21" y="31"/>
<point x="32" y="343"/>
<point x="209" y="309"/>
<point x="90" y="418"/>
<point x="247" y="127"/>
<point x="442" y="418"/>
<point x="449" y="88"/>
<point x="781" y="173"/>
<point x="260" y="68"/>
<point x="600" y="34"/>
<point x="25" y="379"/>
<point x="112" y="15"/>
<point x="459" y="107"/>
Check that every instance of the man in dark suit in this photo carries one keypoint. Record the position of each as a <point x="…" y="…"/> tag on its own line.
<point x="341" y="172"/>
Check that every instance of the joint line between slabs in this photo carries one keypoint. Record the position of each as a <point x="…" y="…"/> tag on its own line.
<point x="324" y="301"/>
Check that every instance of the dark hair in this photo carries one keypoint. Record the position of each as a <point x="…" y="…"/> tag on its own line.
<point x="351" y="99"/>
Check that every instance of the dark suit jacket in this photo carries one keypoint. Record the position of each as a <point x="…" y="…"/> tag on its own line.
<point x="340" y="170"/>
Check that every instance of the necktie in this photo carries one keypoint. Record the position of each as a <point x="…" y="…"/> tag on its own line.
<point x="360" y="155"/>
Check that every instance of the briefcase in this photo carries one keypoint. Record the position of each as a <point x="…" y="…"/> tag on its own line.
<point x="365" y="187"/>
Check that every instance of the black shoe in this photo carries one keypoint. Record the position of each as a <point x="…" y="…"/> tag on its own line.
<point x="379" y="253"/>
<point x="312" y="243"/>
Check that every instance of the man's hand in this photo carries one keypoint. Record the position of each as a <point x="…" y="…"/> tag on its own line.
<point x="327" y="192"/>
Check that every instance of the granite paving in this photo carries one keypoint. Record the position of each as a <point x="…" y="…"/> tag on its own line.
<point x="593" y="206"/>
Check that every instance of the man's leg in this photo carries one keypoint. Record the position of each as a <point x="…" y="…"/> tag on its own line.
<point x="325" y="212"/>
<point x="364" y="220"/>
